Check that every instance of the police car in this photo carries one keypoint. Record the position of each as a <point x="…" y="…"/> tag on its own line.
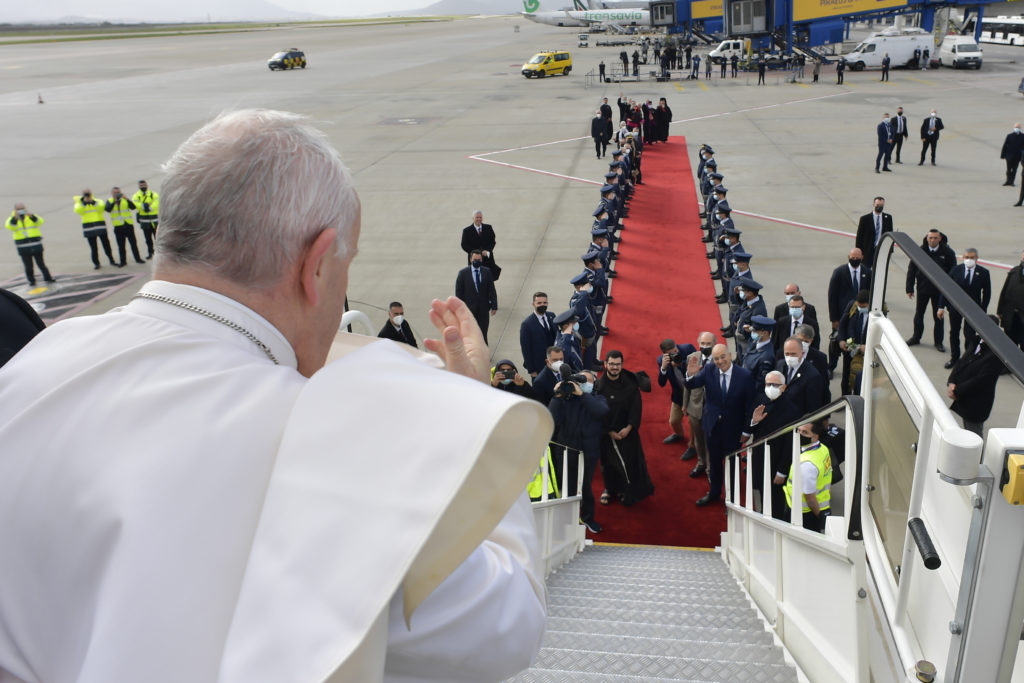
<point x="292" y="58"/>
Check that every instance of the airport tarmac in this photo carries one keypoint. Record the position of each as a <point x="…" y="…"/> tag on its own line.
<point x="415" y="108"/>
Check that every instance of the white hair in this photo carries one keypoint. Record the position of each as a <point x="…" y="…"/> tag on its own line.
<point x="478" y="211"/>
<point x="776" y="376"/>
<point x="248" y="191"/>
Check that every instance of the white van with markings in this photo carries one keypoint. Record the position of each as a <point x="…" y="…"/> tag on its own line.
<point x="728" y="49"/>
<point x="899" y="44"/>
<point x="960" y="52"/>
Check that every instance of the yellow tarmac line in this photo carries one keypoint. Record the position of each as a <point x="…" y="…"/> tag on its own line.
<point x="919" y="80"/>
<point x="702" y="86"/>
<point x="803" y="85"/>
<point x="679" y="87"/>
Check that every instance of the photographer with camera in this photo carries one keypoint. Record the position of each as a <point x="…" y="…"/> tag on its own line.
<point x="578" y="415"/>
<point x="672" y="359"/>
<point x="504" y="376"/>
<point x="94" y="226"/>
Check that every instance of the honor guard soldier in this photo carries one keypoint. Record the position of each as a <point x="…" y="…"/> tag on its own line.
<point x="730" y="293"/>
<point x="28" y="240"/>
<point x="599" y="281"/>
<point x="94" y="226"/>
<point x="704" y="153"/>
<point x="146" y="204"/>
<point x="580" y="304"/>
<point x="760" y="355"/>
<point x="725" y="236"/>
<point x="599" y="243"/>
<point x="568" y="339"/>
<point x="753" y="305"/>
<point x="120" y="209"/>
<point x="716" y="195"/>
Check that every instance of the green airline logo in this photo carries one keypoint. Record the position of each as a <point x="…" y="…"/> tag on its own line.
<point x="531" y="5"/>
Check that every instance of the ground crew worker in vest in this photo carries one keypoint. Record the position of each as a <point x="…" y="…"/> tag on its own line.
<point x="94" y="226"/>
<point x="815" y="474"/>
<point x="24" y="227"/>
<point x="120" y="209"/>
<point x="146" y="203"/>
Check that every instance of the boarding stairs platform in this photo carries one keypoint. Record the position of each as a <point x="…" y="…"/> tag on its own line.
<point x="620" y="613"/>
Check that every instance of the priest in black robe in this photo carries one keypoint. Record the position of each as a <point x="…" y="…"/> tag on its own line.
<point x="623" y="465"/>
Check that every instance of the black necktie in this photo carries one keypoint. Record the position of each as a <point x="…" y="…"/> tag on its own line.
<point x="856" y="281"/>
<point x="476" y="277"/>
<point x="970" y="275"/>
<point x="544" y="318"/>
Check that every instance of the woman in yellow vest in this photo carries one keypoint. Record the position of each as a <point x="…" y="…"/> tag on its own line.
<point x="94" y="226"/>
<point x="815" y="474"/>
<point x="24" y="227"/>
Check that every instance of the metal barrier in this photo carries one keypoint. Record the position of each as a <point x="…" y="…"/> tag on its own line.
<point x="558" y="519"/>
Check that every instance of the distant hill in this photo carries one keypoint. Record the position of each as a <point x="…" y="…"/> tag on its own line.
<point x="457" y="7"/>
<point x="132" y="12"/>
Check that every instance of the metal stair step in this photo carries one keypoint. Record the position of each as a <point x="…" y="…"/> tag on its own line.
<point x="650" y="667"/>
<point x="765" y="653"/>
<point x="640" y="583"/>
<point x="628" y="571"/>
<point x="717" y="619"/>
<point x="689" y="631"/>
<point x="650" y="599"/>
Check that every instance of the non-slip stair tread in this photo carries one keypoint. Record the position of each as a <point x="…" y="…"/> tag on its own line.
<point x="650" y="593"/>
<point x="658" y="602"/>
<point x="688" y="631"/>
<point x="650" y="666"/>
<point x="687" y="649"/>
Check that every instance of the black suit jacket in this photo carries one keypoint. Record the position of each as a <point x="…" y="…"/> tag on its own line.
<point x="895" y="126"/>
<point x="405" y="335"/>
<point x="849" y="325"/>
<point x="782" y="310"/>
<point x="805" y="389"/>
<point x="1013" y="146"/>
<point x="781" y="331"/>
<point x="980" y="288"/>
<point x="943" y="255"/>
<point x="924" y="127"/>
<point x="975" y="376"/>
<point x="534" y="341"/>
<point x="544" y="385"/>
<point x="729" y="412"/>
<point x="478" y="302"/>
<point x="485" y="241"/>
<point x="866" y="234"/>
<point x="841" y="291"/>
<point x="780" y="412"/>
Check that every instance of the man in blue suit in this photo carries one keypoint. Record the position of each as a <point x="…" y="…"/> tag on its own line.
<point x="728" y="394"/>
<point x="884" y="131"/>
<point x="536" y="333"/>
<point x="974" y="280"/>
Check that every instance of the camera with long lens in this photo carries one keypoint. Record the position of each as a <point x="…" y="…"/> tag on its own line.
<point x="676" y="358"/>
<point x="569" y="383"/>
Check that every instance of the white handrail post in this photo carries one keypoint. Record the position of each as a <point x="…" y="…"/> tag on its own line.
<point x="750" y="483"/>
<point x="796" y="495"/>
<point x="545" y="462"/>
<point x="768" y="478"/>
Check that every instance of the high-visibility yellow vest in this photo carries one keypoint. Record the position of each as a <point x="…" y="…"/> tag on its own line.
<point x="120" y="211"/>
<point x="822" y="459"/>
<point x="93" y="220"/>
<point x="24" y="229"/>
<point x="535" y="489"/>
<point x="147" y="197"/>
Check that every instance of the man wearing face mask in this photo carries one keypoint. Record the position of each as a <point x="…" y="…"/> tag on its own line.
<point x="569" y="339"/>
<point x="870" y="229"/>
<point x="815" y="477"/>
<point x="899" y="130"/>
<point x="623" y="465"/>
<point x="974" y="280"/>
<point x="94" y="226"/>
<point x="579" y="303"/>
<point x="1010" y="307"/>
<point x="731" y="289"/>
<point x="752" y="305"/>
<point x="28" y="240"/>
<point x="147" y="204"/>
<point x="475" y="286"/>
<point x="1013" y="146"/>
<point x="853" y="327"/>
<point x="544" y="382"/>
<point x="972" y="385"/>
<point x="796" y="316"/>
<point x="803" y="380"/>
<point x="672" y="357"/>
<point x="578" y="414"/>
<point x="789" y="291"/>
<point x="397" y="327"/>
<point x="693" y="406"/>
<point x="884" y="131"/>
<point x="846" y="281"/>
<point x="760" y="356"/>
<point x="536" y="333"/>
<point x="120" y="209"/>
<point x="506" y="377"/>
<point x="728" y="246"/>
<point x="772" y="410"/>
<point x="935" y="246"/>
<point x="930" y="128"/>
<point x="815" y="358"/>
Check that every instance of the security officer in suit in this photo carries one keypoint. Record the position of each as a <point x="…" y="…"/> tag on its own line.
<point x="728" y="395"/>
<point x="974" y="280"/>
<point x="536" y="333"/>
<point x="397" y="327"/>
<point x="579" y="303"/>
<point x="884" y="132"/>
<point x="753" y="305"/>
<point x="853" y="327"/>
<point x="817" y="359"/>
<point x="972" y="384"/>
<point x="760" y="356"/>
<point x="789" y="291"/>
<point x="930" y="128"/>
<point x="935" y="247"/>
<point x="568" y="339"/>
<point x="870" y="228"/>
<point x="846" y="281"/>
<point x="797" y="315"/>
<point x="475" y="286"/>
<point x="899" y="131"/>
<point x="804" y="382"/>
<point x="1012" y="151"/>
<point x="480" y="235"/>
<point x="545" y="381"/>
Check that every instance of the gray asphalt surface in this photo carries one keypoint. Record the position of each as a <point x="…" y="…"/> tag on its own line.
<point x="409" y="105"/>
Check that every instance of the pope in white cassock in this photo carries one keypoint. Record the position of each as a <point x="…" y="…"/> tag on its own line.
<point x="188" y="493"/>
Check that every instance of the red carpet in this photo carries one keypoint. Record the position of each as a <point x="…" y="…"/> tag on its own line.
<point x="663" y="290"/>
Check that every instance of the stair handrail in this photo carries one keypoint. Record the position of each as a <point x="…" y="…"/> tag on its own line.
<point x="855" y="405"/>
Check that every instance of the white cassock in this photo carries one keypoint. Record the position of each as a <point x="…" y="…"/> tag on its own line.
<point x="175" y="507"/>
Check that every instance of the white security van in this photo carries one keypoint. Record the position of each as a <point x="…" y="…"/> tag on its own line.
<point x="959" y="51"/>
<point x="898" y="43"/>
<point x="727" y="49"/>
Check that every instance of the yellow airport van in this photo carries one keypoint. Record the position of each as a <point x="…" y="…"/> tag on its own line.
<point x="548" y="63"/>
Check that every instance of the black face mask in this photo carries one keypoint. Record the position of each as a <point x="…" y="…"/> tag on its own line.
<point x="542" y="310"/>
<point x="878" y="209"/>
<point x="855" y="262"/>
<point x="476" y="263"/>
<point x="705" y="351"/>
<point x="805" y="440"/>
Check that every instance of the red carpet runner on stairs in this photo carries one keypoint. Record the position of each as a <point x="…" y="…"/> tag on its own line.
<point x="663" y="290"/>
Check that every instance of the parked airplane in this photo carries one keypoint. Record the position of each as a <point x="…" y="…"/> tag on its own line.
<point x="581" y="15"/>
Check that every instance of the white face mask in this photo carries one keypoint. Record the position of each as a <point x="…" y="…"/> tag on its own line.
<point x="773" y="392"/>
<point x="793" y="362"/>
<point x="399" y="319"/>
<point x="789" y="297"/>
<point x="1016" y="130"/>
<point x="806" y="345"/>
<point x="970" y="263"/>
<point x="556" y="366"/>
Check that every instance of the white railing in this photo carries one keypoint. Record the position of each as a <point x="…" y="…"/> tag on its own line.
<point x="357" y="318"/>
<point x="809" y="586"/>
<point x="558" y="519"/>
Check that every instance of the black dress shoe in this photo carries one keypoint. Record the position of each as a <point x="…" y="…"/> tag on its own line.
<point x="940" y="348"/>
<point x="1007" y="184"/>
<point x="877" y="171"/>
<point x="721" y="300"/>
<point x="96" y="267"/>
<point x="689" y="454"/>
<point x="921" y="163"/>
<point x="887" y="170"/>
<point x="1017" y="204"/>
<point x="120" y="265"/>
<point x="913" y="342"/>
<point x="728" y="335"/>
<point x="672" y="438"/>
<point x="696" y="472"/>
<point x="950" y="363"/>
<point x="705" y="239"/>
<point x="716" y="273"/>
<point x="711" y="255"/>
<point x="609" y="298"/>
<point x="706" y="500"/>
<point x="611" y="275"/>
<point x="140" y="261"/>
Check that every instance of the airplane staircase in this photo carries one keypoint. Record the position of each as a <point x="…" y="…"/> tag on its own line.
<point x="618" y="613"/>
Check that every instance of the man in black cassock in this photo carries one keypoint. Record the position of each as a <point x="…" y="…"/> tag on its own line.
<point x="623" y="465"/>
